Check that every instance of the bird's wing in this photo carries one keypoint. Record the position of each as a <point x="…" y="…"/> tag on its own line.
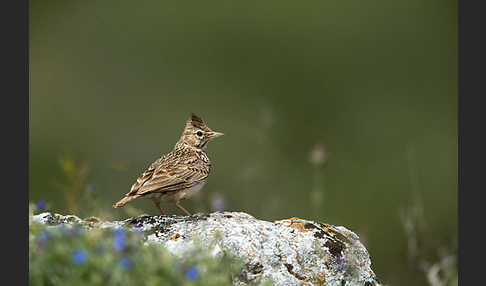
<point x="141" y="180"/>
<point x="169" y="176"/>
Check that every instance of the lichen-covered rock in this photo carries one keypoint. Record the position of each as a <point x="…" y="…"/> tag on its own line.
<point x="291" y="251"/>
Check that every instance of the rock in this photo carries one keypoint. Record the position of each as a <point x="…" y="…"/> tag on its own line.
<point x="290" y="251"/>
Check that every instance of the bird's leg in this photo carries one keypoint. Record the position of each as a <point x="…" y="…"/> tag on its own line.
<point x="183" y="209"/>
<point x="157" y="205"/>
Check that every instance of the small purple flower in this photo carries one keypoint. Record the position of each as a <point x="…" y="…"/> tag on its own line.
<point x="340" y="262"/>
<point x="192" y="273"/>
<point x="79" y="256"/>
<point x="218" y="203"/>
<point x="90" y="188"/>
<point x="120" y="241"/>
<point x="126" y="263"/>
<point x="41" y="205"/>
<point x="42" y="238"/>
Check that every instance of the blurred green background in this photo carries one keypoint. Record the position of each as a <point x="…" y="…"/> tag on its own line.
<point x="338" y="111"/>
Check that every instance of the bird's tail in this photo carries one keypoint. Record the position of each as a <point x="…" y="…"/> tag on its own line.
<point x="125" y="200"/>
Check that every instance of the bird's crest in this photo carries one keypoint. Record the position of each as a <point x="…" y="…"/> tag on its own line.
<point x="196" y="122"/>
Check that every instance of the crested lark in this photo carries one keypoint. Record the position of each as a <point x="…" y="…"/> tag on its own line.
<point x="179" y="174"/>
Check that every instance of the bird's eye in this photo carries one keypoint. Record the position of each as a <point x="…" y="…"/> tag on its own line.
<point x="199" y="133"/>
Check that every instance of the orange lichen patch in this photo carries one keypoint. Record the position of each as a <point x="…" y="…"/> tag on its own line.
<point x="299" y="226"/>
<point x="302" y="226"/>
<point x="321" y="279"/>
<point x="175" y="237"/>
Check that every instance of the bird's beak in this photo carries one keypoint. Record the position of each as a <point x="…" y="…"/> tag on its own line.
<point x="213" y="134"/>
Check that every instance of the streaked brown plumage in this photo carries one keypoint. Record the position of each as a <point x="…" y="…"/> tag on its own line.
<point x="179" y="174"/>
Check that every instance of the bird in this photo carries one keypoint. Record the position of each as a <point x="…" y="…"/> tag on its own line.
<point x="180" y="174"/>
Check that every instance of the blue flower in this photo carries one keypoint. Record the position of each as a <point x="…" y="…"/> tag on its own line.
<point x="42" y="238"/>
<point x="79" y="256"/>
<point x="41" y="205"/>
<point x="126" y="262"/>
<point x="192" y="273"/>
<point x="120" y="241"/>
